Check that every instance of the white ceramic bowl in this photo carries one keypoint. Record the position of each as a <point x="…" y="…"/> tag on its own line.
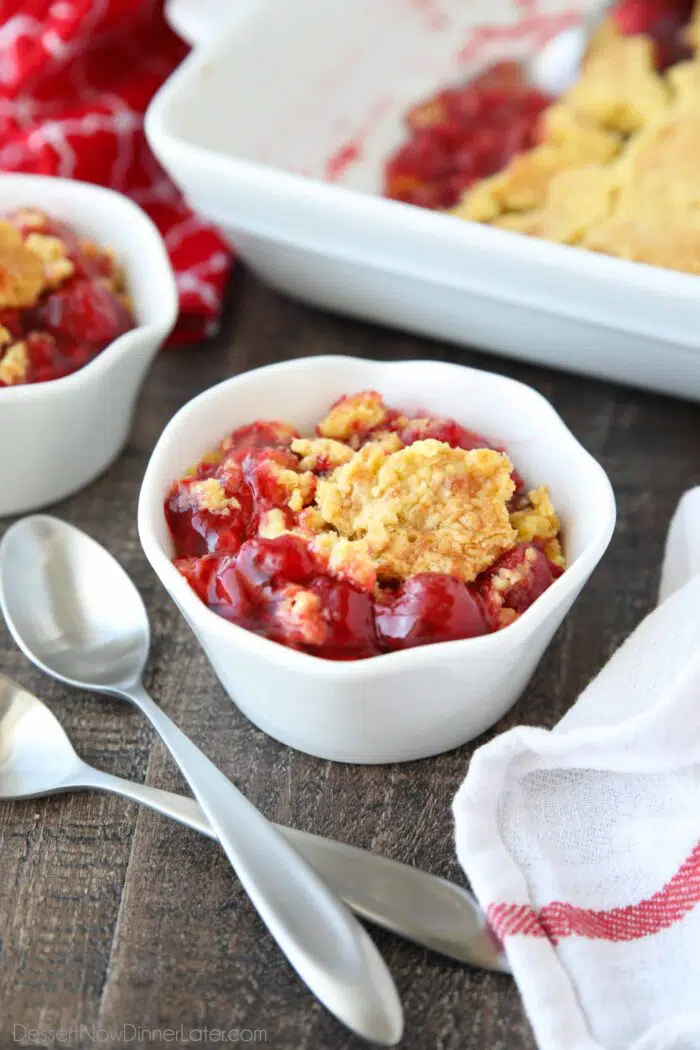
<point x="57" y="436"/>
<point x="416" y="702"/>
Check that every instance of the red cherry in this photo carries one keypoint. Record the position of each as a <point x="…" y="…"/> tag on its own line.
<point x="473" y="129"/>
<point x="262" y="434"/>
<point x="198" y="572"/>
<point x="214" y="579"/>
<point x="467" y="105"/>
<point x="506" y="74"/>
<point x="637" y="16"/>
<point x="457" y="185"/>
<point x="260" y="471"/>
<point x="662" y="20"/>
<point x="285" y="559"/>
<point x="12" y="320"/>
<point x="534" y="573"/>
<point x="85" y="313"/>
<point x="446" y="430"/>
<point x="41" y="350"/>
<point x="430" y="607"/>
<point x="425" y="114"/>
<point x="227" y="593"/>
<point x="348" y="613"/>
<point x="196" y="530"/>
<point x="426" y="195"/>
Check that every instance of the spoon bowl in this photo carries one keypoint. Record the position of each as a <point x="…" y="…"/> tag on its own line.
<point x="555" y="67"/>
<point x="71" y="607"/>
<point x="36" y="756"/>
<point x="75" y="613"/>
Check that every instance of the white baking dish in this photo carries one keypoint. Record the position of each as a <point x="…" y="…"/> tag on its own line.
<point x="416" y="702"/>
<point x="249" y="123"/>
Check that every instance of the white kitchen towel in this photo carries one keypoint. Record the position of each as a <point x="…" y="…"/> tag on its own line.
<point x="583" y="843"/>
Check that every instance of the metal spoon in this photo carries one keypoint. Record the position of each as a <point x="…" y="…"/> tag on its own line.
<point x="37" y="758"/>
<point x="75" y="613"/>
<point x="556" y="66"/>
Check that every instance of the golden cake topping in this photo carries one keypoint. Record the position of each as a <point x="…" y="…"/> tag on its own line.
<point x="356" y="414"/>
<point x="300" y="613"/>
<point x="424" y="508"/>
<point x="52" y="252"/>
<point x="320" y="453"/>
<point x="538" y="520"/>
<point x="210" y="495"/>
<point x="619" y="88"/>
<point x="14" y="365"/>
<point x="21" y="271"/>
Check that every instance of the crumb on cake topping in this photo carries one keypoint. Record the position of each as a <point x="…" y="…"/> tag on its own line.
<point x="51" y="250"/>
<point x="300" y="613"/>
<point x="619" y="88"/>
<point x="209" y="494"/>
<point x="353" y="415"/>
<point x="299" y="488"/>
<point x="321" y="454"/>
<point x="14" y="364"/>
<point x="537" y="521"/>
<point x="21" y="270"/>
<point x="348" y="559"/>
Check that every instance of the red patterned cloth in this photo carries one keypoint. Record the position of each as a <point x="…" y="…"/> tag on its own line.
<point x="75" y="79"/>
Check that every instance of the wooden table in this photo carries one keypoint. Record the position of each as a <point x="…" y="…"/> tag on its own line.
<point x="115" y="918"/>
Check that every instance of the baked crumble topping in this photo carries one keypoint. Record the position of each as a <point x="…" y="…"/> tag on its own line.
<point x="300" y="613"/>
<point x="321" y="454"/>
<point x="405" y="531"/>
<point x="424" y="508"/>
<point x="538" y="519"/>
<point x="353" y="416"/>
<point x="209" y="494"/>
<point x="62" y="300"/>
<point x="21" y="270"/>
<point x="14" y="365"/>
<point x="52" y="251"/>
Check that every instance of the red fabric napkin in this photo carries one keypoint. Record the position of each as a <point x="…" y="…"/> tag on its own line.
<point x="75" y="79"/>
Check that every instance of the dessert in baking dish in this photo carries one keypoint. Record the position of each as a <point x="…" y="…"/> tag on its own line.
<point x="611" y="166"/>
<point x="62" y="299"/>
<point x="380" y="532"/>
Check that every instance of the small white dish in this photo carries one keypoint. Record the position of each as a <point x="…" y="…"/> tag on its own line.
<point x="58" y="436"/>
<point x="417" y="702"/>
<point x="277" y="128"/>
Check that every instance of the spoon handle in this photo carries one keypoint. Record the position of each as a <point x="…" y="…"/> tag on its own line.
<point x="424" y="908"/>
<point x="325" y="944"/>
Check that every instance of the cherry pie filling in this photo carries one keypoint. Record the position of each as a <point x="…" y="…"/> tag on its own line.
<point x="62" y="299"/>
<point x="382" y="532"/>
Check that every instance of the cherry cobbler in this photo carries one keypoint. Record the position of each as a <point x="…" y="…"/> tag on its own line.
<point x="380" y="532"/>
<point x="62" y="299"/>
<point x="611" y="166"/>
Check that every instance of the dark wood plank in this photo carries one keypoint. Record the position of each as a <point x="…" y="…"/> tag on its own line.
<point x="112" y="917"/>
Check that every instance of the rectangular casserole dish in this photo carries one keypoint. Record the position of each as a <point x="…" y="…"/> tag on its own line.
<point x="277" y="127"/>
